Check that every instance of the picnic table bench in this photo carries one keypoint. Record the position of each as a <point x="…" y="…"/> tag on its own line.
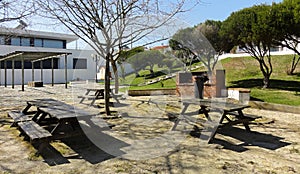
<point x="221" y="110"/>
<point x="52" y="120"/>
<point x="35" y="134"/>
<point x="17" y="116"/>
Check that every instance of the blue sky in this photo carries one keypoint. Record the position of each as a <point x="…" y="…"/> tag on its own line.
<point x="219" y="9"/>
<point x="207" y="9"/>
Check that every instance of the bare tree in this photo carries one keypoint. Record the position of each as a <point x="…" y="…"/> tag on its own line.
<point x="109" y="25"/>
<point x="11" y="10"/>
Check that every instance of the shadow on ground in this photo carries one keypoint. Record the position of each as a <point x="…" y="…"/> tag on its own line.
<point x="86" y="144"/>
<point x="83" y="148"/>
<point x="245" y="139"/>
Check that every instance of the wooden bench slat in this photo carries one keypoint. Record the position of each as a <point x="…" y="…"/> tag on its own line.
<point x="90" y="97"/>
<point x="33" y="130"/>
<point x="17" y="117"/>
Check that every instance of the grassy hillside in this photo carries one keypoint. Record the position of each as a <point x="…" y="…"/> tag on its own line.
<point x="135" y="82"/>
<point x="241" y="72"/>
<point x="245" y="72"/>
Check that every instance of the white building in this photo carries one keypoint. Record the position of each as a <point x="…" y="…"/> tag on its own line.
<point x="27" y="55"/>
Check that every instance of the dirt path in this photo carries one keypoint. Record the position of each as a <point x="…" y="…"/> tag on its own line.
<point x="272" y="147"/>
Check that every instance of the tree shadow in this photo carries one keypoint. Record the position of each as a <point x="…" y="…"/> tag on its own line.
<point x="287" y="85"/>
<point x="255" y="99"/>
<point x="297" y="74"/>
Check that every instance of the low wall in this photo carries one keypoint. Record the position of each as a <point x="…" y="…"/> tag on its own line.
<point x="240" y="94"/>
<point x="151" y="92"/>
<point x="275" y="107"/>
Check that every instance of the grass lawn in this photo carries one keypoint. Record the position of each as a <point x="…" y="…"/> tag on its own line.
<point x="245" y="73"/>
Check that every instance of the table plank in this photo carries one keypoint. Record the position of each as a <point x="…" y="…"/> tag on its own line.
<point x="217" y="104"/>
<point x="60" y="112"/>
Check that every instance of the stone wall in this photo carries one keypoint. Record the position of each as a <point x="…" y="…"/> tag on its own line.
<point x="215" y="87"/>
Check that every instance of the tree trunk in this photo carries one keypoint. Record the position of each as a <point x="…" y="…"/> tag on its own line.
<point x="266" y="69"/>
<point x="115" y="69"/>
<point x="151" y="72"/>
<point x="136" y="73"/>
<point x="107" y="85"/>
<point x="266" y="81"/>
<point x="293" y="66"/>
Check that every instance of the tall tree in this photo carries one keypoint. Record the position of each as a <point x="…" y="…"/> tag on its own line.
<point x="211" y="30"/>
<point x="287" y="23"/>
<point x="108" y="26"/>
<point x="202" y="42"/>
<point x="125" y="54"/>
<point x="182" y="52"/>
<point x="145" y="59"/>
<point x="219" y="43"/>
<point x="250" y="29"/>
<point x="136" y="62"/>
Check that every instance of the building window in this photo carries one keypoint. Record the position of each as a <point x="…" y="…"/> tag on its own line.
<point x="79" y="63"/>
<point x="274" y="49"/>
<point x="38" y="42"/>
<point x="16" y="41"/>
<point x="2" y="40"/>
<point x="25" y="41"/>
<point x="53" y="43"/>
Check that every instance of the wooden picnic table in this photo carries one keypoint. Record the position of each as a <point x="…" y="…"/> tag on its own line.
<point x="228" y="113"/>
<point x="53" y="119"/>
<point x="98" y="91"/>
<point x="98" y="94"/>
<point x="57" y="110"/>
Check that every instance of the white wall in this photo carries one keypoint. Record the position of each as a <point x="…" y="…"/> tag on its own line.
<point x="59" y="75"/>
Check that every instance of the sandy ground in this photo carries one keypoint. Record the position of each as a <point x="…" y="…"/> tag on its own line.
<point x="141" y="140"/>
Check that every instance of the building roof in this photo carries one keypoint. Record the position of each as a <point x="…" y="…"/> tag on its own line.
<point x="30" y="53"/>
<point x="160" y="47"/>
<point x="37" y="34"/>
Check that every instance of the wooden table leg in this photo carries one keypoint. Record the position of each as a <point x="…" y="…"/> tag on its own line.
<point x="215" y="131"/>
<point x="185" y="106"/>
<point x="25" y="110"/>
<point x="204" y="110"/>
<point x="42" y="117"/>
<point x="36" y="115"/>
<point x="87" y="92"/>
<point x="246" y="124"/>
